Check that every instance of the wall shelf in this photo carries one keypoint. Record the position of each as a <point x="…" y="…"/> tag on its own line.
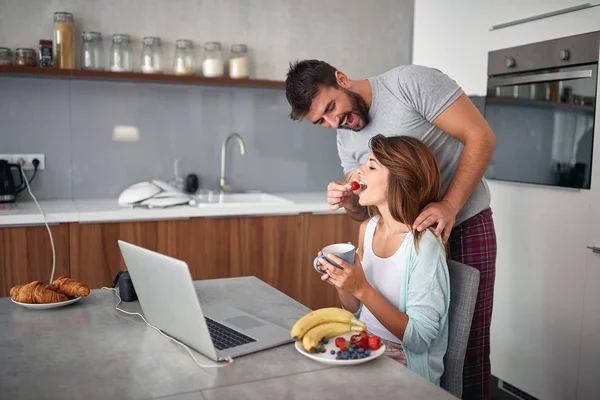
<point x="36" y="72"/>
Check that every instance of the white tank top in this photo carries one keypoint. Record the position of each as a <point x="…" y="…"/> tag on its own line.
<point x="386" y="276"/>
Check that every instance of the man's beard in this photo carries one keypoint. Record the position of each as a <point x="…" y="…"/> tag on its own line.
<point x="359" y="107"/>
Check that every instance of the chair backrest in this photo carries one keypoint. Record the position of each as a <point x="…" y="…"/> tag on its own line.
<point x="464" y="285"/>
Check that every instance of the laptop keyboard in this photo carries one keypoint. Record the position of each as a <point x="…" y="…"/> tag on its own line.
<point x="224" y="337"/>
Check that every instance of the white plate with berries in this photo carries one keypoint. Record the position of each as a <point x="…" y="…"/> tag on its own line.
<point x="348" y="349"/>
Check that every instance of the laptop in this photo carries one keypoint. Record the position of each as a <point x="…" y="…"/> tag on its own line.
<point x="169" y="301"/>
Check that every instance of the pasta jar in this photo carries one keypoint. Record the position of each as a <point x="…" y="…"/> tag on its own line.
<point x="121" y="58"/>
<point x="185" y="59"/>
<point x="238" y="61"/>
<point x="151" y="55"/>
<point x="25" y="58"/>
<point x="5" y="56"/>
<point x="92" y="51"/>
<point x="212" y="60"/>
<point x="64" y="41"/>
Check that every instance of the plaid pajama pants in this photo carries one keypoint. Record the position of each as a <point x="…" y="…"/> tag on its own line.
<point x="474" y="243"/>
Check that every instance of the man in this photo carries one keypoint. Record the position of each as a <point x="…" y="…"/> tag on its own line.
<point x="424" y="103"/>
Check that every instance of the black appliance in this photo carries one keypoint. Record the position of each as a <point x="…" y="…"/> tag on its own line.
<point x="541" y="104"/>
<point x="8" y="190"/>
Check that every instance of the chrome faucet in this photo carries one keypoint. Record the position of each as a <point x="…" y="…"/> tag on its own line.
<point x="223" y="185"/>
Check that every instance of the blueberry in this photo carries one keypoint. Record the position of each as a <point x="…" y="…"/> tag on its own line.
<point x="345" y="355"/>
<point x="325" y="340"/>
<point x="332" y="351"/>
<point x="339" y="353"/>
<point x="367" y="353"/>
<point x="355" y="356"/>
<point x="352" y="347"/>
<point x="338" y="357"/>
<point x="361" y="350"/>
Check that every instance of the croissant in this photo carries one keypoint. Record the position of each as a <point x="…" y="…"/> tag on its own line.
<point x="14" y="291"/>
<point x="36" y="293"/>
<point x="69" y="287"/>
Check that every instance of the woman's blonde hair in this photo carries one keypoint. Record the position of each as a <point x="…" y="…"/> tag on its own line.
<point x="414" y="176"/>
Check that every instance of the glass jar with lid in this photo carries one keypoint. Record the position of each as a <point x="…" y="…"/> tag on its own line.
<point x="26" y="58"/>
<point x="212" y="60"/>
<point x="151" y="55"/>
<point x="64" y="41"/>
<point x="5" y="56"/>
<point x="121" y="58"/>
<point x="238" y="61"/>
<point x="185" y="59"/>
<point x="92" y="51"/>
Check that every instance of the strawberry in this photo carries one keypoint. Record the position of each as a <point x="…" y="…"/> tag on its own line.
<point x="340" y="341"/>
<point x="363" y="344"/>
<point x="374" y="342"/>
<point x="343" y="348"/>
<point x="355" y="185"/>
<point x="355" y="338"/>
<point x="323" y="350"/>
<point x="364" y="335"/>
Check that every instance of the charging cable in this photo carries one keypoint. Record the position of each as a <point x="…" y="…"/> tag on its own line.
<point x="43" y="216"/>
<point x="229" y="359"/>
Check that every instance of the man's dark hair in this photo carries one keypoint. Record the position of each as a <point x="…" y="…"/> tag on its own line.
<point x="304" y="79"/>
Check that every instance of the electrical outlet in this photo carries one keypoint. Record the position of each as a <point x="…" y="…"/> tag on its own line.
<point x="14" y="159"/>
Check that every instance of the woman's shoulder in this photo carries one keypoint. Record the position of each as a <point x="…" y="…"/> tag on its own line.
<point x="430" y="244"/>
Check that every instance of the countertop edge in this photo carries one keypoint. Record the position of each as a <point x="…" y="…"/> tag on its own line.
<point x="107" y="210"/>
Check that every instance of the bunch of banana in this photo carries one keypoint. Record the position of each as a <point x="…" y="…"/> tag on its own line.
<point x="324" y="322"/>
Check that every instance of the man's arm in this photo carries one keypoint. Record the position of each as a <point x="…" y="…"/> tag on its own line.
<point x="462" y="121"/>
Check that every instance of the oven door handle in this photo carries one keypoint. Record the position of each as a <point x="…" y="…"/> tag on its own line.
<point x="538" y="78"/>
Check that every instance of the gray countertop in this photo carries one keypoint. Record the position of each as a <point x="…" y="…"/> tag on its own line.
<point x="89" y="350"/>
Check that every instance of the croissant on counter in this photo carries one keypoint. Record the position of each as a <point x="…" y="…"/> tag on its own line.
<point x="59" y="290"/>
<point x="36" y="293"/>
<point x="69" y="287"/>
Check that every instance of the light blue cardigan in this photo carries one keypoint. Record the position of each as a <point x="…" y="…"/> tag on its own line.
<point x="426" y="300"/>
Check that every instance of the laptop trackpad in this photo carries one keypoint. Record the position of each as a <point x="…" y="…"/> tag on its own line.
<point x="244" y="322"/>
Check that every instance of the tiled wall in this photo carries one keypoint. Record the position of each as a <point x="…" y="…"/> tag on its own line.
<point x="72" y="122"/>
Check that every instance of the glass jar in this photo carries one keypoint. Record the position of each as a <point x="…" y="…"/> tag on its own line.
<point x="151" y="55"/>
<point x="5" y="56"/>
<point x="92" y="51"/>
<point x="64" y="41"/>
<point x="25" y="58"/>
<point x="238" y="61"/>
<point x="185" y="59"/>
<point x="121" y="57"/>
<point x="212" y="60"/>
<point x="45" y="53"/>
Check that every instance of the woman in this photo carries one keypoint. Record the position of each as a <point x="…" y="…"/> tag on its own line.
<point x="399" y="282"/>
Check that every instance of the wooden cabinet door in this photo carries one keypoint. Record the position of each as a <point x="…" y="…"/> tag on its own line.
<point x="26" y="255"/>
<point x="95" y="254"/>
<point x="203" y="243"/>
<point x="269" y="248"/>
<point x="318" y="232"/>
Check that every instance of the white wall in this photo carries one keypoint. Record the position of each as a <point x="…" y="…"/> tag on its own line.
<point x="353" y="35"/>
<point x="542" y="232"/>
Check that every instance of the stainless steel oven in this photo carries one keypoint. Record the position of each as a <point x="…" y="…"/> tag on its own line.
<point x="541" y="103"/>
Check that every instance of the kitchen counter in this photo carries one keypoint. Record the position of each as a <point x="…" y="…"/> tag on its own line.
<point x="90" y="351"/>
<point x="108" y="210"/>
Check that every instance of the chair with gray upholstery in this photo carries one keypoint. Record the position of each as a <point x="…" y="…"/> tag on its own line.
<point x="464" y="284"/>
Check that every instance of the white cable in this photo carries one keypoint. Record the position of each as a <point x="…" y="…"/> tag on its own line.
<point x="45" y="222"/>
<point x="229" y="359"/>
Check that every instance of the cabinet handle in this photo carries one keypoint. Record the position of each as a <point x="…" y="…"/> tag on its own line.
<point x="595" y="249"/>
<point x="544" y="15"/>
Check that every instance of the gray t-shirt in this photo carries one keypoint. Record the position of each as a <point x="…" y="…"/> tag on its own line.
<point x="406" y="100"/>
